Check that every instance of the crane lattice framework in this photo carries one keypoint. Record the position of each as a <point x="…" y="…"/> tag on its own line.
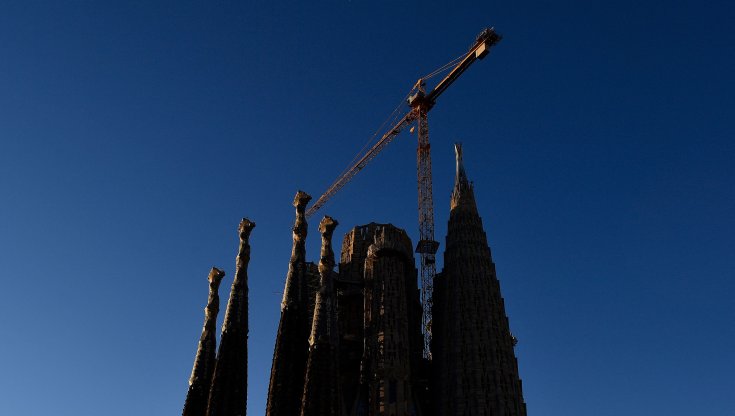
<point x="420" y="103"/>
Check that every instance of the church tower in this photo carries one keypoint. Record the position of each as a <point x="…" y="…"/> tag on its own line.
<point x="291" y="351"/>
<point x="229" y="393"/>
<point x="321" y="385"/>
<point x="475" y="368"/>
<point x="201" y="375"/>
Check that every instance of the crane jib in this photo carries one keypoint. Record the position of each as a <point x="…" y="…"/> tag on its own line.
<point x="369" y="155"/>
<point x="485" y="40"/>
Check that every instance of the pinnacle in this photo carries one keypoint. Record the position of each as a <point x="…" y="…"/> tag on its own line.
<point x="216" y="275"/>
<point x="301" y="199"/>
<point x="463" y="194"/>
<point x="327" y="225"/>
<point x="246" y="226"/>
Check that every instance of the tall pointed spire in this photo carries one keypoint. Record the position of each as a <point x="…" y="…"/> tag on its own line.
<point x="321" y="387"/>
<point x="294" y="292"/>
<point x="201" y="374"/>
<point x="475" y="368"/>
<point x="461" y="174"/>
<point x="463" y="194"/>
<point x="291" y="351"/>
<point x="229" y="393"/>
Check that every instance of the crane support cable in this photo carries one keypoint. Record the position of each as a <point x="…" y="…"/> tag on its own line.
<point x="445" y="67"/>
<point x="485" y="40"/>
<point x="392" y="118"/>
<point x="369" y="155"/>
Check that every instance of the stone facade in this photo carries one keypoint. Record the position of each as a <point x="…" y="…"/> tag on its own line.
<point x="371" y="358"/>
<point x="391" y="327"/>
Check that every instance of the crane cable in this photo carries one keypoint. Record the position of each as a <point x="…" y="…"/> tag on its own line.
<point x="394" y="115"/>
<point x="445" y="67"/>
<point x="392" y="118"/>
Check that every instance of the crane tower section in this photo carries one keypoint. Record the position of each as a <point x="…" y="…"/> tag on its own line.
<point x="427" y="246"/>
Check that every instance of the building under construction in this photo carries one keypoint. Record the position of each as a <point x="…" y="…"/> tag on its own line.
<point x="362" y="338"/>
<point x="352" y="344"/>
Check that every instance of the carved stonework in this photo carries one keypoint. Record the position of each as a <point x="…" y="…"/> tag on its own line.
<point x="204" y="363"/>
<point x="321" y="387"/>
<point x="290" y="354"/>
<point x="295" y="289"/>
<point x="228" y="396"/>
<point x="392" y="338"/>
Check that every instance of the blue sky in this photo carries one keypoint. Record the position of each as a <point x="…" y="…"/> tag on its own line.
<point x="135" y="135"/>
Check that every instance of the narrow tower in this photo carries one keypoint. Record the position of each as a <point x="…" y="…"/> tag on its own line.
<point x="206" y="357"/>
<point x="476" y="371"/>
<point x="393" y="343"/>
<point x="229" y="393"/>
<point x="292" y="340"/>
<point x="321" y="387"/>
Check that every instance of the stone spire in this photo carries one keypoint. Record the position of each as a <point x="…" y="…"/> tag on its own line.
<point x="321" y="387"/>
<point x="475" y="368"/>
<point x="229" y="393"/>
<point x="201" y="374"/>
<point x="286" y="386"/>
<point x="463" y="194"/>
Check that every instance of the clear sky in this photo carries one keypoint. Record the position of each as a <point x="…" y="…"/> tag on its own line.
<point x="135" y="135"/>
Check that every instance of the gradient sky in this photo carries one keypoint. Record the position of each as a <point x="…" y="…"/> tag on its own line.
<point x="135" y="135"/>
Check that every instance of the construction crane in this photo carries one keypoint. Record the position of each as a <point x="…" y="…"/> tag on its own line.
<point x="419" y="103"/>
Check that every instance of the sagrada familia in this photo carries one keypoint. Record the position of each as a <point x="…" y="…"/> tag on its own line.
<point x="349" y="342"/>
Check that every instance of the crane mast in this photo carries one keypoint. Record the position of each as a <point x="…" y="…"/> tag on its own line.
<point x="420" y="104"/>
<point x="427" y="246"/>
